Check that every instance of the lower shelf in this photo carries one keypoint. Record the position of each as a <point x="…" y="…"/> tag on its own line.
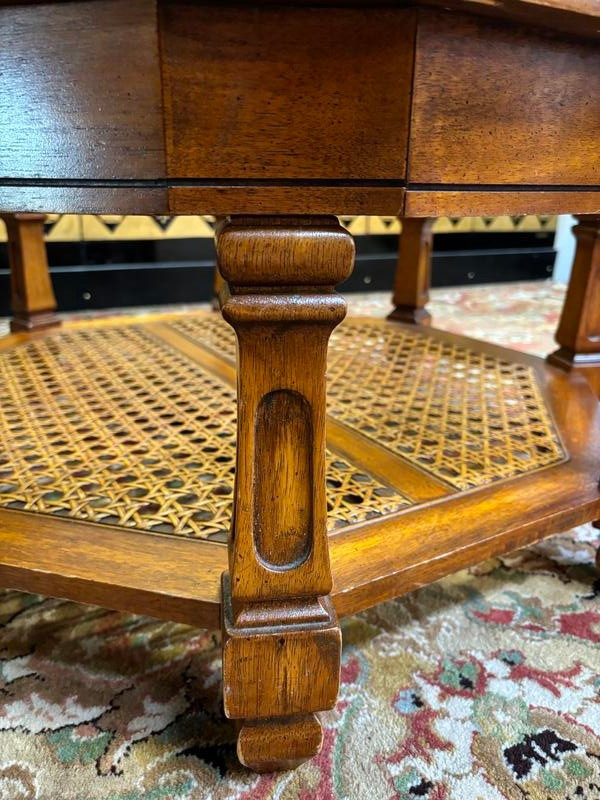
<point x="118" y="457"/>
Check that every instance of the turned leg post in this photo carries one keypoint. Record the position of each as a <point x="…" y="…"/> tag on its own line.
<point x="413" y="272"/>
<point x="32" y="296"/>
<point x="281" y="648"/>
<point x="578" y="332"/>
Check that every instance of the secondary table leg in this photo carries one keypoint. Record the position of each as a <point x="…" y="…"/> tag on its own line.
<point x="413" y="272"/>
<point x="578" y="332"/>
<point x="579" y="327"/>
<point x="32" y="296"/>
<point x="281" y="648"/>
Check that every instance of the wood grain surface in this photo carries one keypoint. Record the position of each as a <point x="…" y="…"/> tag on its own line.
<point x="499" y="104"/>
<point x="495" y="201"/>
<point x="281" y="639"/>
<point x="297" y="108"/>
<point x="286" y="92"/>
<point x="578" y="332"/>
<point x="579" y="327"/>
<point x="177" y="578"/>
<point x="412" y="277"/>
<point x="80" y="92"/>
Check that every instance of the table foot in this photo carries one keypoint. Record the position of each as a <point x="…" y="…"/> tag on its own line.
<point x="281" y="664"/>
<point x="33" y="322"/>
<point x="275" y="745"/>
<point x="410" y="315"/>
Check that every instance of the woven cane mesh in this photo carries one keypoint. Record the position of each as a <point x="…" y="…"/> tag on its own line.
<point x="464" y="416"/>
<point x="210" y="331"/>
<point x="113" y="426"/>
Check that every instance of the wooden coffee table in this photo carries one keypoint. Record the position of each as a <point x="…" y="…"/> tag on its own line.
<point x="119" y="437"/>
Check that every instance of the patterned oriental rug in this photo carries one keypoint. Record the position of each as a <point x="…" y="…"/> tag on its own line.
<point x="483" y="686"/>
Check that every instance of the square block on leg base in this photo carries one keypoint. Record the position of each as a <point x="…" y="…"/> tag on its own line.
<point x="34" y="321"/>
<point x="283" y="670"/>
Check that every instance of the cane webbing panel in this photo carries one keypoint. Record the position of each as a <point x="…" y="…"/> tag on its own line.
<point x="465" y="416"/>
<point x="461" y="415"/>
<point x="210" y="331"/>
<point x="114" y="426"/>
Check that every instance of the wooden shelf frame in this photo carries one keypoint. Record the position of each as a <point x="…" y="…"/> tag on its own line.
<point x="178" y="578"/>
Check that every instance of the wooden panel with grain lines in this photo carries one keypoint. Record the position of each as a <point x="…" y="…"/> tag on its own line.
<point x="311" y="93"/>
<point x="78" y="100"/>
<point x="499" y="104"/>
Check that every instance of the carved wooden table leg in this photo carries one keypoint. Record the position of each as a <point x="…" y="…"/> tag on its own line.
<point x="32" y="296"/>
<point x="413" y="272"/>
<point x="281" y="649"/>
<point x="578" y="331"/>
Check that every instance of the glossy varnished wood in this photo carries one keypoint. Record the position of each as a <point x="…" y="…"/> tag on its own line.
<point x="179" y="578"/>
<point x="272" y="197"/>
<point x="64" y="113"/>
<point x="470" y="201"/>
<point x="292" y="109"/>
<point x="282" y="89"/>
<point x="507" y="85"/>
<point x="376" y="459"/>
<point x="282" y="643"/>
<point x="448" y="534"/>
<point x="173" y="580"/>
<point x="578" y="331"/>
<point x="412" y="277"/>
<point x="579" y="17"/>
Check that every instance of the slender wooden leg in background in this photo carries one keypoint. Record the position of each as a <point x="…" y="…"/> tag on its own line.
<point x="32" y="296"/>
<point x="281" y="648"/>
<point x="413" y="272"/>
<point x="578" y="331"/>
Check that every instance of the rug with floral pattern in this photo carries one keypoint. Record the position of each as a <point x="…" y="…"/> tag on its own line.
<point x="483" y="686"/>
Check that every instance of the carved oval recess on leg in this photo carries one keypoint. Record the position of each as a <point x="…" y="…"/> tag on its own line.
<point x="283" y="477"/>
